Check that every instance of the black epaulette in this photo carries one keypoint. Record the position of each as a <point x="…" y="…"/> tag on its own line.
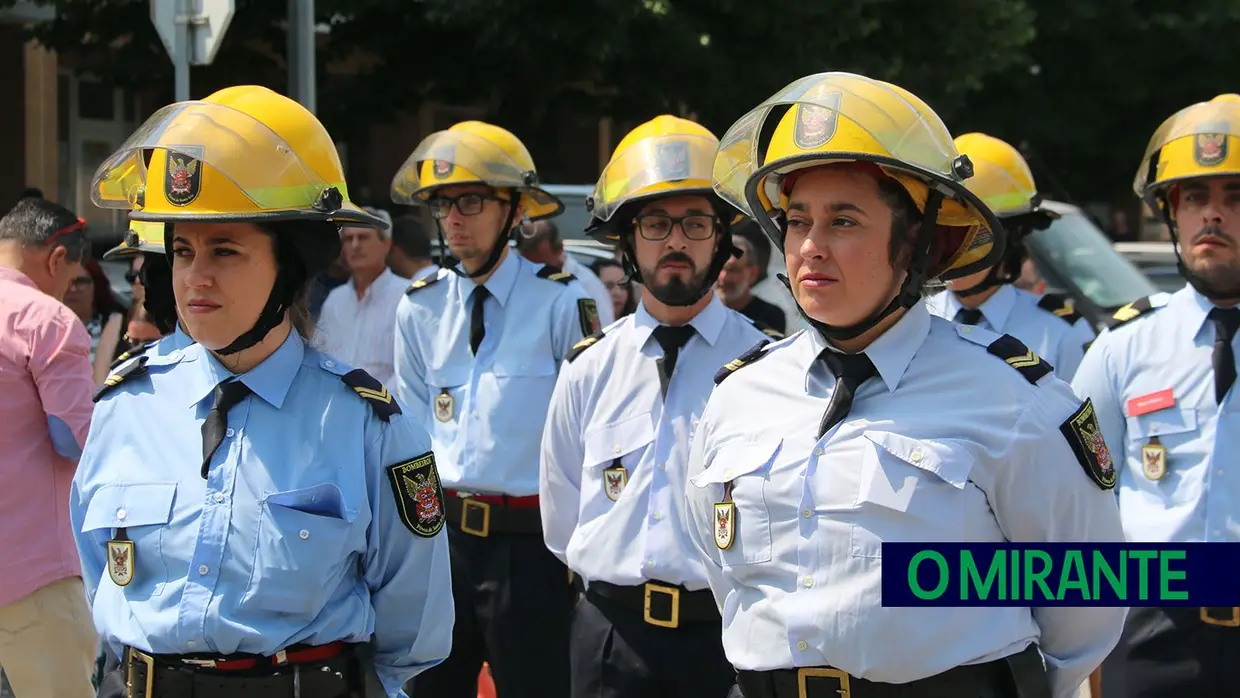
<point x="1130" y="312"/>
<point x="555" y="274"/>
<point x="1060" y="306"/>
<point x="134" y="368"/>
<point x="372" y="391"/>
<point x="756" y="352"/>
<point x="584" y="344"/>
<point x="1020" y="357"/>
<point x="421" y="284"/>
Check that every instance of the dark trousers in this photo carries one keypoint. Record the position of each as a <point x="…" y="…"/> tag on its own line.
<point x="513" y="604"/>
<point x="616" y="654"/>
<point x="1172" y="653"/>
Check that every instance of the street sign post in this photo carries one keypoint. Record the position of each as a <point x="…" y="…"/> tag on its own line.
<point x="191" y="31"/>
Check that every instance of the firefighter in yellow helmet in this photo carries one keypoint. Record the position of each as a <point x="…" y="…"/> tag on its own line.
<point x="289" y="511"/>
<point x="1162" y="377"/>
<point x="1048" y="324"/>
<point x="478" y="348"/>
<point x="154" y="314"/>
<point x="647" y="625"/>
<point x="883" y="423"/>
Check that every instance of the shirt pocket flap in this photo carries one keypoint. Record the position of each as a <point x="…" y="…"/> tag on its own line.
<point x="611" y="441"/>
<point x="1173" y="420"/>
<point x="126" y="505"/>
<point x="449" y="376"/>
<point x="324" y="499"/>
<point x="951" y="465"/>
<point x="524" y="365"/>
<point x="738" y="459"/>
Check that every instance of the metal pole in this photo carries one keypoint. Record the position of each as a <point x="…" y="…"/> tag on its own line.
<point x="301" y="50"/>
<point x="185" y="10"/>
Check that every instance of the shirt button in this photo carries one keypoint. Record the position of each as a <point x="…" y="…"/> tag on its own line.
<point x="656" y="516"/>
<point x="203" y="569"/>
<point x="807" y="513"/>
<point x="650" y="563"/>
<point x="229" y="433"/>
<point x="190" y="644"/>
<point x="729" y="474"/>
<point x="966" y="329"/>
<point x="304" y="534"/>
<point x="121" y="514"/>
<point x="802" y="645"/>
<point x="818" y="451"/>
<point x="329" y="363"/>
<point x="808" y="582"/>
<point x="218" y="497"/>
<point x="662" y="466"/>
<point x="615" y="449"/>
<point x="915" y="456"/>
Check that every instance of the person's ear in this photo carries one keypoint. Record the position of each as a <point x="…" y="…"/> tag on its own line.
<point x="55" y="259"/>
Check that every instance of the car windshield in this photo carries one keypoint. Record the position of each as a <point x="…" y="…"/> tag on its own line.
<point x="573" y="221"/>
<point x="1083" y="254"/>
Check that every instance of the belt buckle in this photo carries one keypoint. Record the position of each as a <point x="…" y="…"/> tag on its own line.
<point x="1232" y="622"/>
<point x="149" y="662"/>
<point x="807" y="673"/>
<point x="651" y="590"/>
<point x="468" y="503"/>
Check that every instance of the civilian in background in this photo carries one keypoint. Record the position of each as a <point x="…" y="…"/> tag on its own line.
<point x="411" y="249"/>
<point x="358" y="321"/>
<point x="618" y="285"/>
<point x="90" y="298"/>
<point x="324" y="283"/>
<point x="540" y="243"/>
<point x="47" y="637"/>
<point x="734" y="288"/>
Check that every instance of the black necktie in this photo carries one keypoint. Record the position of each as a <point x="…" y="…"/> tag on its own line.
<point x="671" y="339"/>
<point x="850" y="371"/>
<point x="969" y="316"/>
<point x="1226" y="321"/>
<point x="226" y="395"/>
<point x="476" y="329"/>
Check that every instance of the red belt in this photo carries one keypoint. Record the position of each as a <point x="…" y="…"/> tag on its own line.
<point x="300" y="655"/>
<point x="504" y="500"/>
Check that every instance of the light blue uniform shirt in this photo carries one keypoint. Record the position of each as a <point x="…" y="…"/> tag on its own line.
<point x="294" y="536"/>
<point x="607" y="413"/>
<point x="486" y="413"/>
<point x="947" y="444"/>
<point x="1198" y="499"/>
<point x="1016" y="312"/>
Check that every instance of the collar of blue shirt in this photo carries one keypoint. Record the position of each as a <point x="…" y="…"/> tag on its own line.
<point x="708" y="323"/>
<point x="996" y="309"/>
<point x="891" y="353"/>
<point x="501" y="282"/>
<point x="270" y="380"/>
<point x="1192" y="308"/>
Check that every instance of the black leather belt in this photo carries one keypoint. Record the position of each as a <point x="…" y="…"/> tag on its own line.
<point x="1021" y="675"/>
<point x="177" y="676"/>
<point x="661" y="604"/>
<point x="483" y="515"/>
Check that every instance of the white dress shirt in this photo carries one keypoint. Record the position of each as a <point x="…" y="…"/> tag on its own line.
<point x="594" y="287"/>
<point x="362" y="332"/>
<point x="607" y="412"/>
<point x="947" y="443"/>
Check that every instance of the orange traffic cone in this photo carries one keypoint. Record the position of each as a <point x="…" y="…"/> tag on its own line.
<point x="486" y="687"/>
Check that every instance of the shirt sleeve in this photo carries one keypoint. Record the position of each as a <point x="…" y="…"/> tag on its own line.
<point x="408" y="575"/>
<point x="1095" y="379"/>
<point x="701" y="507"/>
<point x="567" y="318"/>
<point x="91" y="545"/>
<point x="61" y="369"/>
<point x="410" y="371"/>
<point x="1072" y="349"/>
<point x="559" y="482"/>
<point x="1040" y="492"/>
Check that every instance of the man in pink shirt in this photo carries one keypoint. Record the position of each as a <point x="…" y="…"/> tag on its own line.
<point x="47" y="638"/>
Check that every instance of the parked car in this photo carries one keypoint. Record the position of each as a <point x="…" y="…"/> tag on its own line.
<point x="573" y="221"/>
<point x="1156" y="259"/>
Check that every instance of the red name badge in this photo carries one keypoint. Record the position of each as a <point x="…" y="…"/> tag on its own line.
<point x="1153" y="402"/>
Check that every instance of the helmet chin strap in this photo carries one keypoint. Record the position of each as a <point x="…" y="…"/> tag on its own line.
<point x="497" y="250"/>
<point x="290" y="278"/>
<point x="910" y="290"/>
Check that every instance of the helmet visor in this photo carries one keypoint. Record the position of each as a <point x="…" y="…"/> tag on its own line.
<point x="445" y="158"/>
<point x="678" y="162"/>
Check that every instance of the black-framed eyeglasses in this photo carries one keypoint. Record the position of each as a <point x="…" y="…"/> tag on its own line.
<point x="657" y="226"/>
<point x="468" y="204"/>
<point x="131" y="276"/>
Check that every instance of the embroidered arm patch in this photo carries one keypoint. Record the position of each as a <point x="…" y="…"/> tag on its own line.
<point x="1085" y="437"/>
<point x="372" y="391"/>
<point x="587" y="313"/>
<point x="419" y="495"/>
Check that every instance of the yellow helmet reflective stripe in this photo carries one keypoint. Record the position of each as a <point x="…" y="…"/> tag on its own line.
<point x="665" y="156"/>
<point x="245" y="153"/>
<point x="142" y="236"/>
<point x="1001" y="176"/>
<point x="473" y="152"/>
<point x="842" y="117"/>
<point x="1197" y="141"/>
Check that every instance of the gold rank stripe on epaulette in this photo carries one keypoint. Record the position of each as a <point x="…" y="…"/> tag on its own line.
<point x="756" y="352"/>
<point x="772" y="333"/>
<point x="1130" y="312"/>
<point x="1020" y="357"/>
<point x="584" y="344"/>
<point x="421" y="284"/>
<point x="371" y="390"/>
<point x="1060" y="307"/>
<point x="555" y="274"/>
<point x="134" y="368"/>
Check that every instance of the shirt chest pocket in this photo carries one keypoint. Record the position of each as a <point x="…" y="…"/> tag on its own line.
<point x="747" y="466"/>
<point x="612" y="453"/>
<point x="912" y="491"/>
<point x="144" y="511"/>
<point x="522" y="392"/>
<point x="301" y="552"/>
